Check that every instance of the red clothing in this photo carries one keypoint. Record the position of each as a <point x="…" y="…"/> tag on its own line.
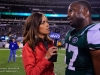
<point x="35" y="63"/>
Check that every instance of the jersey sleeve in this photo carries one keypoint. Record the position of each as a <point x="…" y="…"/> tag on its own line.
<point x="93" y="39"/>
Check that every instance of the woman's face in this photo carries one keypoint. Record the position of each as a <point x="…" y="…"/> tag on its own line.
<point x="44" y="27"/>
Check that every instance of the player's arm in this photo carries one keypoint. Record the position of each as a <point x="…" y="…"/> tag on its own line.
<point x="96" y="61"/>
<point x="93" y="38"/>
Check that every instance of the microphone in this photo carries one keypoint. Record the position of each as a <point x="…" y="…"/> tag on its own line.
<point x="55" y="37"/>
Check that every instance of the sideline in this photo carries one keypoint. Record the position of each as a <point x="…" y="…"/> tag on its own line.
<point x="7" y="49"/>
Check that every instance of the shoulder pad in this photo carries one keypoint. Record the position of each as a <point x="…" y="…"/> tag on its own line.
<point x="95" y="27"/>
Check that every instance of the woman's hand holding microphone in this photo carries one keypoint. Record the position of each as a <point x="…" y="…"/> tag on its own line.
<point x="51" y="52"/>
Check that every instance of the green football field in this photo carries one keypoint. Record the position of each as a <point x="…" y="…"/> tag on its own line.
<point x="17" y="68"/>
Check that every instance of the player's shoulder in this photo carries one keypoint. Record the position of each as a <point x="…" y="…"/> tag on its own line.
<point x="91" y="28"/>
<point x="95" y="29"/>
<point x="93" y="36"/>
<point x="96" y="26"/>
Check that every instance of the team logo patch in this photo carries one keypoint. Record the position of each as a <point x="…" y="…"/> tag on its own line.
<point x="74" y="40"/>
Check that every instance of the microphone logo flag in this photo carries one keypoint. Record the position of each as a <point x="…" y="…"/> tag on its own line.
<point x="54" y="36"/>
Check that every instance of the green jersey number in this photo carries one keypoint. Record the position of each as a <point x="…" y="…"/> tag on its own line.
<point x="74" y="49"/>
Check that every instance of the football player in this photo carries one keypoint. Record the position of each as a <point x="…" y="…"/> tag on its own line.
<point x="82" y="41"/>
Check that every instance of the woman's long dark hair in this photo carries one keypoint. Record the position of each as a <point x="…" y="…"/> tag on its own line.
<point x="31" y="29"/>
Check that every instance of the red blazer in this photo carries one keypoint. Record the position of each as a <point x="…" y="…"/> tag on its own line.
<point x="35" y="63"/>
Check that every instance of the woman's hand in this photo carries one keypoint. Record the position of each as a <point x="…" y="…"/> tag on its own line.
<point x="51" y="51"/>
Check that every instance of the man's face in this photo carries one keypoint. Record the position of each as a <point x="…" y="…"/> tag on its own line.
<point x="75" y="15"/>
